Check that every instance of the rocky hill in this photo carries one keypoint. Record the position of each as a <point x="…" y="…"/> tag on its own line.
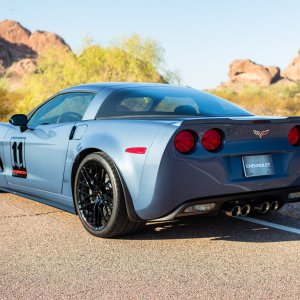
<point x="248" y="73"/>
<point x="19" y="48"/>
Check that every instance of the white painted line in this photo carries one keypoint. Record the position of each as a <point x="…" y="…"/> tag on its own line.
<point x="269" y="224"/>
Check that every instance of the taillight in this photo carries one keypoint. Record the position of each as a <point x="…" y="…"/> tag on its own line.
<point x="294" y="136"/>
<point x="212" y="140"/>
<point x="184" y="141"/>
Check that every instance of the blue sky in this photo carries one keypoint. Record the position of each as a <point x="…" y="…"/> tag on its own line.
<point x="200" y="38"/>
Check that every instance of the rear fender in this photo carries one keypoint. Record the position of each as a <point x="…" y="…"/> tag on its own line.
<point x="113" y="138"/>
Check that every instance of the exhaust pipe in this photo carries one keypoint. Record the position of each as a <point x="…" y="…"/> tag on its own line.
<point x="245" y="210"/>
<point x="263" y="208"/>
<point x="274" y="206"/>
<point x="233" y="212"/>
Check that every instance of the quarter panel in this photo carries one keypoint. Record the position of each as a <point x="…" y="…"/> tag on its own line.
<point x="113" y="137"/>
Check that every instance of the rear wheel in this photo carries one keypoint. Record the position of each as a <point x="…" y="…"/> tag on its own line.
<point x="99" y="198"/>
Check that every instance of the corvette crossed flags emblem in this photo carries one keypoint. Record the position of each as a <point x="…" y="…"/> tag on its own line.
<point x="261" y="133"/>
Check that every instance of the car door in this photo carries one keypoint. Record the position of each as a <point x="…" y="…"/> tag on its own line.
<point x="35" y="158"/>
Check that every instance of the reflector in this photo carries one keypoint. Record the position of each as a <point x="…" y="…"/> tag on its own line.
<point x="200" y="208"/>
<point x="136" y="150"/>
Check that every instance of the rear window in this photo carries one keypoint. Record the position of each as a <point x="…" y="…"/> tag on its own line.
<point x="166" y="101"/>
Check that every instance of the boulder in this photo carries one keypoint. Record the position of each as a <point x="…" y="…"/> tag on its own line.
<point x="293" y="69"/>
<point x="14" y="32"/>
<point x="38" y="41"/>
<point x="22" y="67"/>
<point x="274" y="72"/>
<point x="19" y="49"/>
<point x="246" y="72"/>
<point x="9" y="52"/>
<point x="41" y="40"/>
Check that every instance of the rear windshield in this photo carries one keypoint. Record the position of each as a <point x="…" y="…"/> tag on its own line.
<point x="166" y="101"/>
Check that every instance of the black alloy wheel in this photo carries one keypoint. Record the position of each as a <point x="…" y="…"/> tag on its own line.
<point x="99" y="198"/>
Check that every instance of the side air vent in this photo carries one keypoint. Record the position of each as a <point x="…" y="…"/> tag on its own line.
<point x="1" y="165"/>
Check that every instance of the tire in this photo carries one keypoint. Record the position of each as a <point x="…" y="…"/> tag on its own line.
<point x="99" y="198"/>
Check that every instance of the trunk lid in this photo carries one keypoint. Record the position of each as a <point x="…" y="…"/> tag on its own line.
<point x="255" y="153"/>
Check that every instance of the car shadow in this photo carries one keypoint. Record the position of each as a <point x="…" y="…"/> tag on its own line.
<point x="215" y="228"/>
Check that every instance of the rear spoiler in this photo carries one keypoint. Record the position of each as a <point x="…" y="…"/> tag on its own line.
<point x="243" y="120"/>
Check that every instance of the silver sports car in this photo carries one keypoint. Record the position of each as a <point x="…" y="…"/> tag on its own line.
<point x="119" y="154"/>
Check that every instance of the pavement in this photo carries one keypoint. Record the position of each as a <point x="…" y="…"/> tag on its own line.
<point x="45" y="253"/>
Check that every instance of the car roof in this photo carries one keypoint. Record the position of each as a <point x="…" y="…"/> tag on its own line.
<point x="96" y="87"/>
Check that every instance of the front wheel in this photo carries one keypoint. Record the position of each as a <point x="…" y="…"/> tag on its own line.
<point x="99" y="198"/>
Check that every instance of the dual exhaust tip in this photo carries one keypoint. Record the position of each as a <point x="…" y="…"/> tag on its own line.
<point x="238" y="211"/>
<point x="244" y="210"/>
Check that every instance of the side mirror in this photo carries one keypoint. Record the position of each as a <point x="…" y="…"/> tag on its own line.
<point x="19" y="120"/>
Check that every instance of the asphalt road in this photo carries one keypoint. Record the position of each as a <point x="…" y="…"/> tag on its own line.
<point x="46" y="254"/>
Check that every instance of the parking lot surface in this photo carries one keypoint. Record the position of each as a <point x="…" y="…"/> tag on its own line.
<point x="45" y="253"/>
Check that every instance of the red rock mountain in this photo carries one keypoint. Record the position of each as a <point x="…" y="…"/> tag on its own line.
<point x="245" y="72"/>
<point x="19" y="47"/>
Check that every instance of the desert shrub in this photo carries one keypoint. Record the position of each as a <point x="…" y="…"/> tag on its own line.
<point x="8" y="100"/>
<point x="278" y="99"/>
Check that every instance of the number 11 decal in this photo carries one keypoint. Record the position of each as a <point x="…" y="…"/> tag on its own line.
<point x="18" y="157"/>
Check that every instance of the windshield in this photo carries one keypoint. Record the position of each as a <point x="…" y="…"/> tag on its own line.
<point x="166" y="101"/>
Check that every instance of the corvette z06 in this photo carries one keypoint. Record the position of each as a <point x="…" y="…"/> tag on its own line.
<point x="121" y="154"/>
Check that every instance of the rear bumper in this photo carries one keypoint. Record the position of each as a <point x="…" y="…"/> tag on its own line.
<point x="252" y="198"/>
<point x="204" y="176"/>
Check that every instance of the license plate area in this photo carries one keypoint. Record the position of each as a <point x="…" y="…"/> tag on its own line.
<point x="258" y="165"/>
